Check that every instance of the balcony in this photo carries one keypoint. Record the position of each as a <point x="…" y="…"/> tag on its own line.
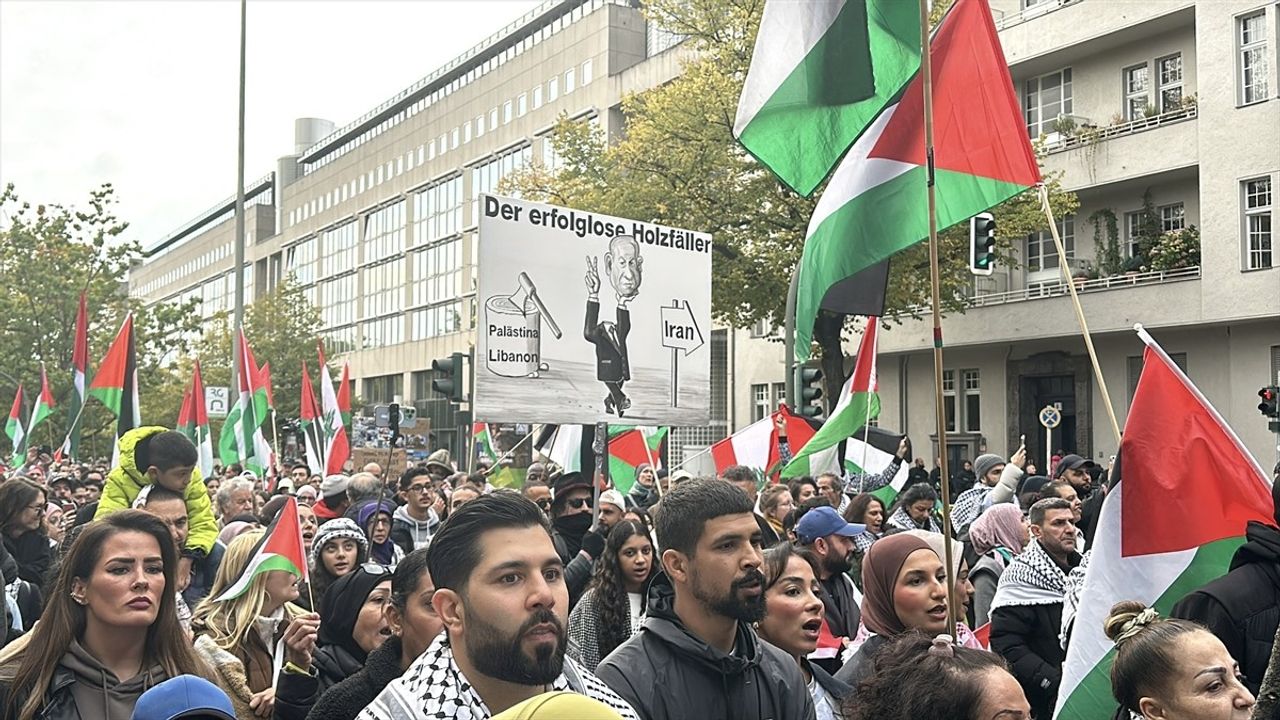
<point x="1091" y="155"/>
<point x="1006" y="20"/>
<point x="1048" y="290"/>
<point x="1050" y="35"/>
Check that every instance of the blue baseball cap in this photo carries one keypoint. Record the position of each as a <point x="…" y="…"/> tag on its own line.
<point x="185" y="696"/>
<point x="824" y="521"/>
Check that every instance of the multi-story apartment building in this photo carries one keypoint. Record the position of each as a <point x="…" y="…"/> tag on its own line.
<point x="1176" y="98"/>
<point x="376" y="220"/>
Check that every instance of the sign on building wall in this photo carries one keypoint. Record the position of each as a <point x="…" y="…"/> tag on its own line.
<point x="588" y="318"/>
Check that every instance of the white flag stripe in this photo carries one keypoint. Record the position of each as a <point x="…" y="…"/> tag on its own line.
<point x="858" y="173"/>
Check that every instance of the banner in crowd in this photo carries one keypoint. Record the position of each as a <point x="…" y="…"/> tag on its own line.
<point x="587" y="318"/>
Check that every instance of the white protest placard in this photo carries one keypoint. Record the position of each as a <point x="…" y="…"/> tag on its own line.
<point x="587" y="318"/>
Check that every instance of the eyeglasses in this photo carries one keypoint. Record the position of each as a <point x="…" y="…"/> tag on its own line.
<point x="578" y="503"/>
<point x="418" y="489"/>
<point x="39" y="509"/>
<point x="545" y="503"/>
<point x="373" y="568"/>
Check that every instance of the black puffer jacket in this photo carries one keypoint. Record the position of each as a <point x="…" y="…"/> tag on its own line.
<point x="1243" y="607"/>
<point x="664" y="668"/>
<point x="334" y="664"/>
<point x="1027" y="637"/>
<point x="349" y="697"/>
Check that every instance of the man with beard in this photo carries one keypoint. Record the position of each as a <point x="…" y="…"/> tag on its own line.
<point x="501" y="596"/>
<point x="696" y="653"/>
<point x="824" y="532"/>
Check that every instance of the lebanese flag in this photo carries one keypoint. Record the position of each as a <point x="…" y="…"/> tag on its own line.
<point x="337" y="449"/>
<point x="1171" y="525"/>
<point x="858" y="404"/>
<point x="756" y="445"/>
<point x="311" y="426"/>
<point x="280" y="548"/>
<point x="631" y="447"/>
<point x="875" y="202"/>
<point x="193" y="421"/>
<point x="13" y="428"/>
<point x="79" y="369"/>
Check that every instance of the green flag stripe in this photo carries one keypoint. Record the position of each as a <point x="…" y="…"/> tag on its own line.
<point x="265" y="563"/>
<point x="1092" y="698"/>
<point x="862" y="407"/>
<point x="110" y="397"/>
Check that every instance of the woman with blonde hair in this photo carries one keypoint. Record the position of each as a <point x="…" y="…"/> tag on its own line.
<point x="109" y="631"/>
<point x="259" y="643"/>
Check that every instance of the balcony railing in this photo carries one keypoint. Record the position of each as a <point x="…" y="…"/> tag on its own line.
<point x="1059" y="288"/>
<point x="1087" y="135"/>
<point x="1008" y="20"/>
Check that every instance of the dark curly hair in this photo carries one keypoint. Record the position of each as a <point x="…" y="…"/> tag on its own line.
<point x="610" y="589"/>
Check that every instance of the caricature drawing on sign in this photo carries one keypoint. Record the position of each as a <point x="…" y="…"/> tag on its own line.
<point x="624" y="267"/>
<point x="514" y="327"/>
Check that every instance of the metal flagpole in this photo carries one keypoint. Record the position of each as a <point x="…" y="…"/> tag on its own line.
<point x="239" y="212"/>
<point x="926" y="72"/>
<point x="1075" y="301"/>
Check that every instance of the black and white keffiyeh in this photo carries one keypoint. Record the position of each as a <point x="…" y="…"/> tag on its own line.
<point x="433" y="688"/>
<point x="1032" y="578"/>
<point x="968" y="506"/>
<point x="900" y="520"/>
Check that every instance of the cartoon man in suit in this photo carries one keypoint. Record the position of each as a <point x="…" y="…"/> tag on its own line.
<point x="623" y="265"/>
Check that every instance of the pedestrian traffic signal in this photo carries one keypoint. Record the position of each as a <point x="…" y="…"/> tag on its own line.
<point x="809" y="387"/>
<point x="1270" y="405"/>
<point x="448" y="380"/>
<point x="982" y="244"/>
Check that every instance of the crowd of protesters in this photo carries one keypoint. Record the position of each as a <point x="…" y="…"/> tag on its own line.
<point x="129" y="593"/>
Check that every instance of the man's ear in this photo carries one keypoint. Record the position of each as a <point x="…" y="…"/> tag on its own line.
<point x="1035" y="531"/>
<point x="153" y="473"/>
<point x="676" y="564"/>
<point x="1151" y="709"/>
<point x="448" y="605"/>
<point x="820" y="546"/>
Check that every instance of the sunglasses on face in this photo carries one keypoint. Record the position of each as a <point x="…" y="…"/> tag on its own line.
<point x="545" y="503"/>
<point x="373" y="568"/>
<point x="578" y="503"/>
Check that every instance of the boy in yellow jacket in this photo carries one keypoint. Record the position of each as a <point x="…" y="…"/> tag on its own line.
<point x="158" y="456"/>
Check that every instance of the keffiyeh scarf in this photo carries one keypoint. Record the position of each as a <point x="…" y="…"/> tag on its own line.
<point x="435" y="689"/>
<point x="1032" y="578"/>
<point x="900" y="520"/>
<point x="968" y="506"/>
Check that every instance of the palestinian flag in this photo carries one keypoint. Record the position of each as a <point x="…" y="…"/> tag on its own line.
<point x="1179" y="456"/>
<point x="241" y="440"/>
<point x="859" y="403"/>
<point x="631" y="447"/>
<point x="873" y="456"/>
<point x="280" y="548"/>
<point x="44" y="404"/>
<point x="116" y="384"/>
<point x="80" y="369"/>
<point x="337" y="449"/>
<point x="757" y="445"/>
<point x="193" y="421"/>
<point x="344" y="395"/>
<point x="312" y="434"/>
<point x="875" y="203"/>
<point x="482" y="442"/>
<point x="822" y="70"/>
<point x="13" y="428"/>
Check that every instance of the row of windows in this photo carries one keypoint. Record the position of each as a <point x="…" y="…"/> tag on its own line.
<point x="533" y="38"/>
<point x="384" y="232"/>
<point x="1137" y="88"/>
<point x="186" y="269"/>
<point x="383" y="289"/>
<point x="967" y="412"/>
<point x="338" y="249"/>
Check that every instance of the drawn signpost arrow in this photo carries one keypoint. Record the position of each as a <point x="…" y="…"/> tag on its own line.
<point x="680" y="332"/>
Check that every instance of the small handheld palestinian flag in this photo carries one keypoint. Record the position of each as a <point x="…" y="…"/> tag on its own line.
<point x="279" y="549"/>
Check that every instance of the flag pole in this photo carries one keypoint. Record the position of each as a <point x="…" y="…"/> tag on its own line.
<point x="926" y="71"/>
<point x="1075" y="302"/>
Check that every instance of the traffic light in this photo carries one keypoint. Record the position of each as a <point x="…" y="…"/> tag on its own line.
<point x="448" y="380"/>
<point x="809" y="389"/>
<point x="982" y="244"/>
<point x="1270" y="405"/>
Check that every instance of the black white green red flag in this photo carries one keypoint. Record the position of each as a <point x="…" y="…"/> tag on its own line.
<point x="280" y="548"/>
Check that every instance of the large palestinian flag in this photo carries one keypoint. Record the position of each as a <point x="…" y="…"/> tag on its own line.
<point x="631" y="447"/>
<point x="116" y="384"/>
<point x="280" y="548"/>
<point x="821" y="71"/>
<point x="1168" y="527"/>
<point x="875" y="203"/>
<point x="193" y="422"/>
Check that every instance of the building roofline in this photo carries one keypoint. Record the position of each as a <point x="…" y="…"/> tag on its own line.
<point x="191" y="227"/>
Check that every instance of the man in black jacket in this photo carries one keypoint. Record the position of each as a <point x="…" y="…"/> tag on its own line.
<point x="1026" y="613"/>
<point x="696" y="653"/>
<point x="1243" y="607"/>
<point x="830" y="538"/>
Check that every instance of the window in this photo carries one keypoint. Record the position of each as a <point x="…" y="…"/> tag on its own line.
<point x="1136" y="98"/>
<point x="553" y="89"/>
<point x="586" y="72"/>
<point x="301" y="261"/>
<point x="479" y="125"/>
<point x="949" y="398"/>
<point x="453" y="139"/>
<point x="779" y="394"/>
<point x="383" y="289"/>
<point x="759" y="402"/>
<point x="762" y="328"/>
<point x="568" y="80"/>
<point x="1041" y="252"/>
<point x="1254" y="73"/>
<point x="436" y="321"/>
<point x="383" y="389"/>
<point x="1044" y="99"/>
<point x="338" y="301"/>
<point x="1135" y="369"/>
<point x="384" y="232"/>
<point x="972" y="400"/>
<point x="1133" y="228"/>
<point x="493" y="119"/>
<point x="1170" y="79"/>
<point x="522" y="105"/>
<point x="506" y="112"/>
<point x="383" y="332"/>
<point x="437" y="211"/>
<point x="551" y="159"/>
<point x="485" y="178"/>
<point x="338" y="250"/>
<point x="537" y="97"/>
<point x="1257" y="223"/>
<point x="466" y="133"/>
<point x="1172" y="217"/>
<point x="437" y="273"/>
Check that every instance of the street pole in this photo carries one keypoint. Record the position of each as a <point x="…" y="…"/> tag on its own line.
<point x="789" y="336"/>
<point x="239" y="211"/>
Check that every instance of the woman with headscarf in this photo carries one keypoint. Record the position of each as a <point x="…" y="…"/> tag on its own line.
<point x="962" y="588"/>
<point x="997" y="536"/>
<point x="375" y="519"/>
<point x="352" y="624"/>
<point x="339" y="547"/>
<point x="905" y="588"/>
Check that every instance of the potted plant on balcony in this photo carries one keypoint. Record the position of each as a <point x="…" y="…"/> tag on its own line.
<point x="1176" y="249"/>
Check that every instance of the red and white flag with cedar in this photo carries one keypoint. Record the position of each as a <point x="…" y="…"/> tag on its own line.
<point x="311" y="432"/>
<point x="337" y="448"/>
<point x="280" y="548"/>
<point x="1168" y="526"/>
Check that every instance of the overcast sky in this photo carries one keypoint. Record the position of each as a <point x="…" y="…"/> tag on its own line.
<point x="142" y="93"/>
